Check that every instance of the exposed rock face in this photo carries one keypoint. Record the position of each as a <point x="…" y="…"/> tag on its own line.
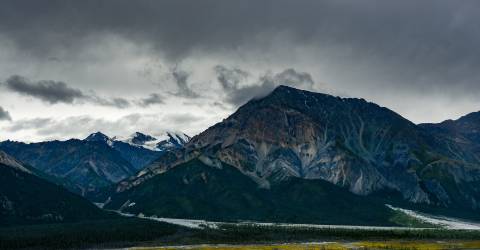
<point x="461" y="138"/>
<point x="348" y="142"/>
<point x="315" y="136"/>
<point x="222" y="193"/>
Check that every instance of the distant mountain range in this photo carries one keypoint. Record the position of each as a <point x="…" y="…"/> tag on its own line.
<point x="313" y="140"/>
<point x="98" y="161"/>
<point x="26" y="198"/>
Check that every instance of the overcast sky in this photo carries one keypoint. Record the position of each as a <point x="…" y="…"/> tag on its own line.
<point x="69" y="68"/>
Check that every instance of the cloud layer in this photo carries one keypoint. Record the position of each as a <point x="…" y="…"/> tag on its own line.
<point x="113" y="58"/>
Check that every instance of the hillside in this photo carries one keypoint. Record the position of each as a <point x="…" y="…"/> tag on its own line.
<point x="27" y="199"/>
<point x="198" y="191"/>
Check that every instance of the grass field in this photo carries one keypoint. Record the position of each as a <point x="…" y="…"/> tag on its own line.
<point x="403" y="245"/>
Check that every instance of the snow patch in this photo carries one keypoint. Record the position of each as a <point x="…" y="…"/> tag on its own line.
<point x="160" y="142"/>
<point x="203" y="224"/>
<point x="448" y="223"/>
<point x="195" y="224"/>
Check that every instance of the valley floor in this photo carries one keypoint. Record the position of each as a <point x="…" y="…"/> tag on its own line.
<point x="139" y="232"/>
<point x="427" y="221"/>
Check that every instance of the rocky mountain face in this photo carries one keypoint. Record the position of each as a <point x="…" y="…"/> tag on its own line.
<point x="461" y="136"/>
<point x="26" y="198"/>
<point x="348" y="142"/>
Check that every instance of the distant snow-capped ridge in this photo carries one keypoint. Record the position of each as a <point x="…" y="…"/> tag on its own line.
<point x="166" y="141"/>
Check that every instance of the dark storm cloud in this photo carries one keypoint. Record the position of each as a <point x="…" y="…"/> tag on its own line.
<point x="4" y="115"/>
<point x="53" y="92"/>
<point x="230" y="78"/>
<point x="233" y="81"/>
<point x="415" y="44"/>
<point x="180" y="77"/>
<point x="46" y="90"/>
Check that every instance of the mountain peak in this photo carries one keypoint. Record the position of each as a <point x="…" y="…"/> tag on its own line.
<point x="98" y="136"/>
<point x="180" y="137"/>
<point x="172" y="140"/>
<point x="285" y="89"/>
<point x="282" y="87"/>
<point x="287" y="93"/>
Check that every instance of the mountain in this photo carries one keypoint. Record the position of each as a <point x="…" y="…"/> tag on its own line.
<point x="86" y="165"/>
<point x="140" y="149"/>
<point x="137" y="156"/>
<point x="347" y="142"/>
<point x="26" y="198"/>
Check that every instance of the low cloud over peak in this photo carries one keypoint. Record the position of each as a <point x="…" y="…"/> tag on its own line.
<point x="235" y="82"/>
<point x="181" y="78"/>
